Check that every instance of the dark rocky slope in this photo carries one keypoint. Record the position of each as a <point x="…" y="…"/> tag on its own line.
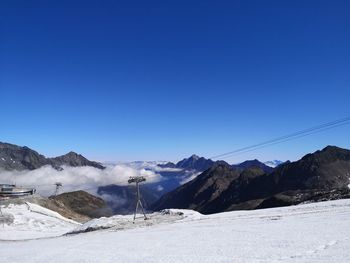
<point x="73" y="159"/>
<point x="222" y="188"/>
<point x="253" y="164"/>
<point x="83" y="203"/>
<point x="193" y="162"/>
<point x="13" y="157"/>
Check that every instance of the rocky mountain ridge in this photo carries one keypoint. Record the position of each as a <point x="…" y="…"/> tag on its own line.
<point x="223" y="188"/>
<point x="14" y="157"/>
<point x="193" y="162"/>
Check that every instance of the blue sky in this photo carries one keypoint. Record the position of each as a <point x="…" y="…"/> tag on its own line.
<point x="160" y="80"/>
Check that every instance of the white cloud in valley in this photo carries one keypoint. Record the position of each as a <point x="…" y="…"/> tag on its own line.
<point x="75" y="178"/>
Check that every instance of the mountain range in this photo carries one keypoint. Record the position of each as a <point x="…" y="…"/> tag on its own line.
<point x="323" y="174"/>
<point x="197" y="163"/>
<point x="194" y="162"/>
<point x="13" y="157"/>
<point x="211" y="186"/>
<point x="253" y="164"/>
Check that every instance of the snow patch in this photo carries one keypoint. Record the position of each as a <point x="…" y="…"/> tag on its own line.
<point x="273" y="163"/>
<point x="31" y="221"/>
<point x="47" y="212"/>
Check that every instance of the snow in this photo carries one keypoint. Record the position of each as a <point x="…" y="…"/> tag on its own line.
<point x="273" y="163"/>
<point x="122" y="222"/>
<point x="317" y="232"/>
<point x="47" y="212"/>
<point x="32" y="221"/>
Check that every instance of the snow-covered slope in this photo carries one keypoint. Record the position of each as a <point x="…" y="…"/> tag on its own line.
<point x="316" y="232"/>
<point x="31" y="221"/>
<point x="124" y="222"/>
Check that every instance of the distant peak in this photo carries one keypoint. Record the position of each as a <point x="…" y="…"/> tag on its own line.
<point x="194" y="156"/>
<point x="274" y="163"/>
<point x="252" y="161"/>
<point x="330" y="147"/>
<point x="71" y="153"/>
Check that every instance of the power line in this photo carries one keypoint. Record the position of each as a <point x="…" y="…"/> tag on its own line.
<point x="290" y="139"/>
<point x="285" y="138"/>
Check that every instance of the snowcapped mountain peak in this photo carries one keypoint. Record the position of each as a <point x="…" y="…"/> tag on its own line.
<point x="273" y="163"/>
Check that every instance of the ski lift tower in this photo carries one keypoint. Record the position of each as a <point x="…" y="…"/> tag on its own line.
<point x="58" y="186"/>
<point x="138" y="180"/>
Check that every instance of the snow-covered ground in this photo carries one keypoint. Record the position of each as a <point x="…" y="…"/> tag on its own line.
<point x="32" y="221"/>
<point x="122" y="222"/>
<point x="316" y="232"/>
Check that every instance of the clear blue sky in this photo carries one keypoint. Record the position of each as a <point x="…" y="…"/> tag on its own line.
<point x="160" y="80"/>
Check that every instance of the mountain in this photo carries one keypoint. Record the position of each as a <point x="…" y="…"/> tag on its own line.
<point x="209" y="191"/>
<point x="273" y="163"/>
<point x="167" y="165"/>
<point x="199" y="192"/>
<point x="323" y="174"/>
<point x="73" y="159"/>
<point x="83" y="203"/>
<point x="326" y="169"/>
<point x="193" y="162"/>
<point x="13" y="157"/>
<point x="175" y="175"/>
<point x="253" y="164"/>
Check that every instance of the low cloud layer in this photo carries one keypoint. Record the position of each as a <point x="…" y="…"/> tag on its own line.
<point x="75" y="178"/>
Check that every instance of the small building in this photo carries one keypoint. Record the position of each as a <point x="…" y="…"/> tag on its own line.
<point x="11" y="190"/>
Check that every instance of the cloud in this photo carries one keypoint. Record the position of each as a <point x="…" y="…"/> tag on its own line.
<point x="75" y="178"/>
<point x="190" y="176"/>
<point x="167" y="169"/>
<point x="152" y="166"/>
